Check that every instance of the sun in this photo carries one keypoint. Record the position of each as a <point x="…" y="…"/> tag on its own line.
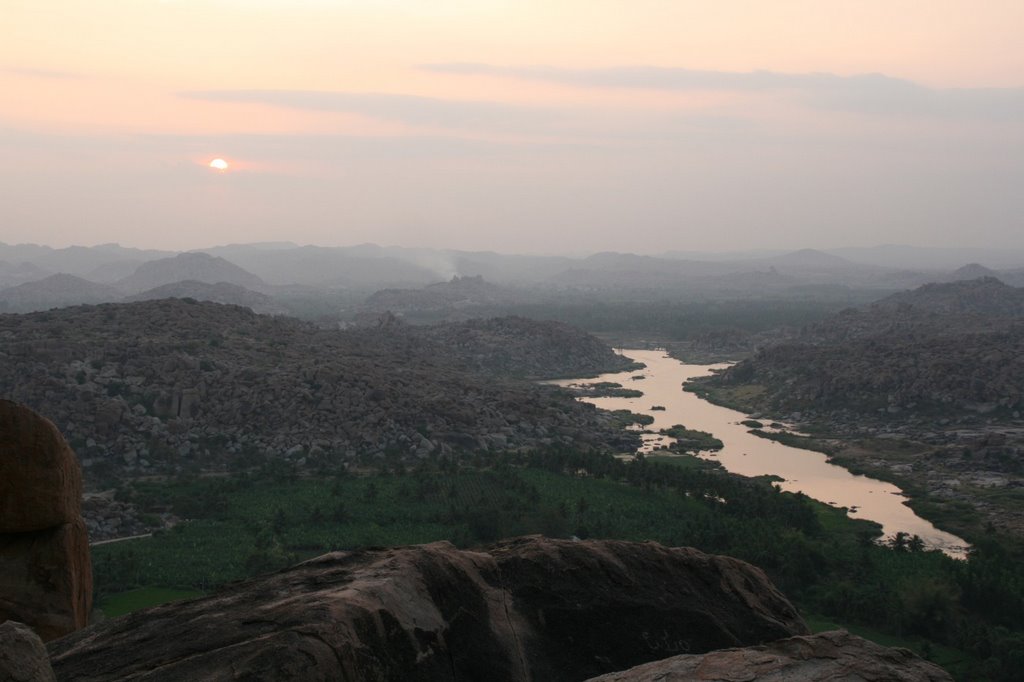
<point x="219" y="164"/>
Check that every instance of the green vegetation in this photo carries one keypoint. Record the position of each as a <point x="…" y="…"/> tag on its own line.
<point x="607" y="389"/>
<point x="744" y="398"/>
<point x="141" y="598"/>
<point x="684" y="460"/>
<point x="968" y="614"/>
<point x="693" y="440"/>
<point x="794" y="440"/>
<point x="944" y="656"/>
<point x="752" y="424"/>
<point x="625" y="417"/>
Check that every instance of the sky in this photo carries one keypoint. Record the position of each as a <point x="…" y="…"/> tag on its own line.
<point x="558" y="126"/>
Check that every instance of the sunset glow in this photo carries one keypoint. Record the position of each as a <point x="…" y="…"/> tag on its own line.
<point x="518" y="125"/>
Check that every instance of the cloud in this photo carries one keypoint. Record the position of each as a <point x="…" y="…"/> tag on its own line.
<point x="562" y="125"/>
<point x="864" y="93"/>
<point x="411" y="109"/>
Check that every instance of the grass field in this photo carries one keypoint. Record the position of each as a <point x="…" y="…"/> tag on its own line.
<point x="141" y="598"/>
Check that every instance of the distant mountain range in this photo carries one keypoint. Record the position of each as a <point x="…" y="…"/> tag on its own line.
<point x="313" y="281"/>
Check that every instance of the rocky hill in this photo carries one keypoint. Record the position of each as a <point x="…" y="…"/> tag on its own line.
<point x="221" y="292"/>
<point x="55" y="291"/>
<point x="945" y="348"/>
<point x="457" y="298"/>
<point x="984" y="297"/>
<point x="162" y="385"/>
<point x="200" y="267"/>
<point x="520" y="347"/>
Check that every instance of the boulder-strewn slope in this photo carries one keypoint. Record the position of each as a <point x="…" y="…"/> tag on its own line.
<point x="164" y="383"/>
<point x="459" y="298"/>
<point x="827" y="657"/>
<point x="45" y="571"/>
<point x="517" y="346"/>
<point x="221" y="292"/>
<point x="531" y="608"/>
<point x="942" y="347"/>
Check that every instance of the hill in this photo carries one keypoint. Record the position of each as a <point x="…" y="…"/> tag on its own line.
<point x="199" y="267"/>
<point x="985" y="296"/>
<point x="221" y="292"/>
<point x="176" y="384"/>
<point x="55" y="291"/>
<point x="939" y="348"/>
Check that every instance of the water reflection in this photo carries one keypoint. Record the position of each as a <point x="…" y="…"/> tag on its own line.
<point x="749" y="455"/>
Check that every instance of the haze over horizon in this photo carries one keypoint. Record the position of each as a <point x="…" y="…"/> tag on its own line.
<point x="558" y="127"/>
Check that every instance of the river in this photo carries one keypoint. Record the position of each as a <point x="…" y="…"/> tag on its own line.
<point x="746" y="454"/>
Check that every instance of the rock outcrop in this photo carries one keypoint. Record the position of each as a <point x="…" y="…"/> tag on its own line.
<point x="825" y="657"/>
<point x="45" y="572"/>
<point x="526" y="609"/>
<point x="22" y="655"/>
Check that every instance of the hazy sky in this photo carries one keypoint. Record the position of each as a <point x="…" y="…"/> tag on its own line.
<point x="579" y="125"/>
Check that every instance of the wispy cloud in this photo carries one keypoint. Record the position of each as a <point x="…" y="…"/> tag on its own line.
<point x="866" y="93"/>
<point x="569" y="124"/>
<point x="411" y="109"/>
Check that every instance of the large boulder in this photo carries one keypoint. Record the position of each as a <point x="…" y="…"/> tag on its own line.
<point x="825" y="657"/>
<point x="40" y="481"/>
<point x="527" y="609"/>
<point x="45" y="572"/>
<point x="22" y="655"/>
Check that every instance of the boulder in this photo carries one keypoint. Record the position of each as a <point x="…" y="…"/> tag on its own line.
<point x="40" y="482"/>
<point x="45" y="571"/>
<point x="526" y="609"/>
<point x="22" y="655"/>
<point x="823" y="657"/>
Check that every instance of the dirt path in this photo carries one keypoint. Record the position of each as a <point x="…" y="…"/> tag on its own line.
<point x="112" y="540"/>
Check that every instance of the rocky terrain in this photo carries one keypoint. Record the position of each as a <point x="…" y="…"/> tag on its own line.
<point x="525" y="609"/>
<point x="829" y="656"/>
<point x="520" y="347"/>
<point x="531" y="608"/>
<point x="219" y="292"/>
<point x="951" y="348"/>
<point x="458" y="298"/>
<point x="45" y="568"/>
<point x="933" y="379"/>
<point x="163" y="386"/>
<point x="23" y="657"/>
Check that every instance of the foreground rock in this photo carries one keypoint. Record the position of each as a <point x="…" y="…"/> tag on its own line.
<point x="45" y="572"/>
<point x="22" y="655"/>
<point x="527" y="609"/>
<point x="824" y="657"/>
